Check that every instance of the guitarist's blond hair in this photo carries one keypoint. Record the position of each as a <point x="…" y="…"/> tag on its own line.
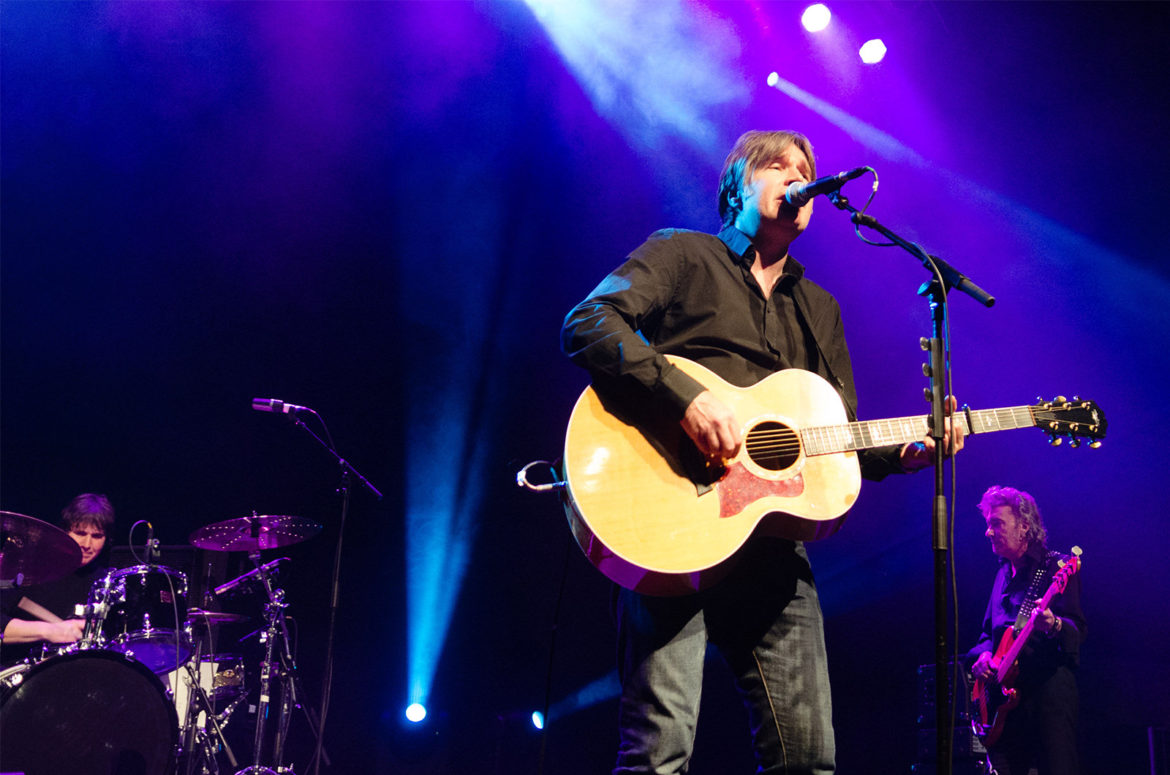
<point x="752" y="151"/>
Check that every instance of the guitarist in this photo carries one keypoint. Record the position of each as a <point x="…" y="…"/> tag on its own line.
<point x="740" y="305"/>
<point x="1041" y="730"/>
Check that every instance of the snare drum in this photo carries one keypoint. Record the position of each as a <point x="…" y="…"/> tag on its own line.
<point x="89" y="713"/>
<point x="141" y="611"/>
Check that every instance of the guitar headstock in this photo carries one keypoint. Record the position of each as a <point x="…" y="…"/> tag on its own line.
<point x="1068" y="565"/>
<point x="1075" y="420"/>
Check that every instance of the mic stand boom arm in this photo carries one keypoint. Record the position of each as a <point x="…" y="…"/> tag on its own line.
<point x="942" y="271"/>
<point x="347" y="471"/>
<point x="944" y="277"/>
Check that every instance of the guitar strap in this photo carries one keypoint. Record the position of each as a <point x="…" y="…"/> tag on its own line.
<point x="801" y="299"/>
<point x="1033" y="591"/>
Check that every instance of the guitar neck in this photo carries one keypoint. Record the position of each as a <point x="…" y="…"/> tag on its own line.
<point x="830" y="439"/>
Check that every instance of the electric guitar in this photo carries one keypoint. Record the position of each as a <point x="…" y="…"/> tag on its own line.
<point x="994" y="696"/>
<point x="654" y="516"/>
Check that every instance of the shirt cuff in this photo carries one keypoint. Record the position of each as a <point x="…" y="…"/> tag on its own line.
<point x="678" y="388"/>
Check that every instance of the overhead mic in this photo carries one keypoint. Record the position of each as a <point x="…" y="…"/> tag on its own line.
<point x="249" y="576"/>
<point x="276" y="405"/>
<point x="151" y="549"/>
<point x="800" y="194"/>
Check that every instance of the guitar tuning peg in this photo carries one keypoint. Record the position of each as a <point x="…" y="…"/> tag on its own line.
<point x="1094" y="445"/>
<point x="1074" y="442"/>
<point x="1056" y="441"/>
<point x="1060" y="400"/>
<point x="1076" y="398"/>
<point x="1077" y="551"/>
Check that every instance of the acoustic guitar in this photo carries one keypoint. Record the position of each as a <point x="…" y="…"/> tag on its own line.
<point x="650" y="513"/>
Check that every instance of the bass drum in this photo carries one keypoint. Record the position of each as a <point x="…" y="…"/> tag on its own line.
<point x="88" y="713"/>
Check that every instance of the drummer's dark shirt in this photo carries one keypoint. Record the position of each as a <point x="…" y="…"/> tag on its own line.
<point x="58" y="596"/>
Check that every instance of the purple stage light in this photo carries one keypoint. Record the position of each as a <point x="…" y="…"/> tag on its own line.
<point x="872" y="51"/>
<point x="816" y="17"/>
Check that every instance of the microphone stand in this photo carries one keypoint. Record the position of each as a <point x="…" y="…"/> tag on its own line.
<point x="944" y="277"/>
<point x="347" y="471"/>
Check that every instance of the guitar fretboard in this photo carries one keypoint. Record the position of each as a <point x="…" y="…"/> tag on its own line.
<point x="828" y="439"/>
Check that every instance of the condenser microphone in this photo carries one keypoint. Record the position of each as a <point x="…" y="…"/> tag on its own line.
<point x="800" y="194"/>
<point x="267" y="567"/>
<point x="278" y="406"/>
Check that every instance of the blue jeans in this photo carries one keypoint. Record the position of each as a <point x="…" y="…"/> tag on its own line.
<point x="765" y="621"/>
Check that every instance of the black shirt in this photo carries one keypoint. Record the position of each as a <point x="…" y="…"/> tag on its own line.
<point x="1008" y="592"/>
<point x="692" y="294"/>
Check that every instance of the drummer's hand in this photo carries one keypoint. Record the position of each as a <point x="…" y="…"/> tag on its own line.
<point x="68" y="631"/>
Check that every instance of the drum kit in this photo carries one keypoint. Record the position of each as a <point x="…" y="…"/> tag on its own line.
<point x="143" y="691"/>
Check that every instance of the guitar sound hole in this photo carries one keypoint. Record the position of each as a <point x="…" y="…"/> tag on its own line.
<point x="772" y="446"/>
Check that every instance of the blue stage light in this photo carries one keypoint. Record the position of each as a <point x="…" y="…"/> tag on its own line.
<point x="816" y="17"/>
<point x="680" y="87"/>
<point x="415" y="712"/>
<point x="538" y="719"/>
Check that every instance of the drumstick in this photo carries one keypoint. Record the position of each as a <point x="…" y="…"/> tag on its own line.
<point x="38" y="610"/>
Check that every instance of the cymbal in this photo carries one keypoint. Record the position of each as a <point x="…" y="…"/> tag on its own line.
<point x="216" y="617"/>
<point x="257" y="532"/>
<point x="33" y="552"/>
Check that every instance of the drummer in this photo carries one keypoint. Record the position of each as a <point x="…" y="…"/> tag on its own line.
<point x="47" y="612"/>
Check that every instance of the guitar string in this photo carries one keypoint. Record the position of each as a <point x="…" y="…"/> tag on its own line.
<point x="786" y="439"/>
<point x="783" y="441"/>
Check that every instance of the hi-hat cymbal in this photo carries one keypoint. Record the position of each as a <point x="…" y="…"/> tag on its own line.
<point x="254" y="533"/>
<point x="215" y="617"/>
<point x="33" y="552"/>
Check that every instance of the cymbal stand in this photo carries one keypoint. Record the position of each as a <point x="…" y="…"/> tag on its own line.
<point x="275" y="635"/>
<point x="273" y="611"/>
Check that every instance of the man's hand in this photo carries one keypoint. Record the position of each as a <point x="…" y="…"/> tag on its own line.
<point x="920" y="454"/>
<point x="1048" y="622"/>
<point x="68" y="631"/>
<point x="983" y="666"/>
<point x="712" y="426"/>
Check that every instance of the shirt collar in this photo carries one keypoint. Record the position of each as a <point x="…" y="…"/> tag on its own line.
<point x="741" y="247"/>
<point x="1035" y="553"/>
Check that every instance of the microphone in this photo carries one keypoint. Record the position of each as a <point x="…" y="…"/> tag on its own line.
<point x="278" y="406"/>
<point x="252" y="574"/>
<point x="800" y="194"/>
<point x="151" y="554"/>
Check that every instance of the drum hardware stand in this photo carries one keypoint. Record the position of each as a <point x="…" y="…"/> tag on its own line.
<point x="201" y="744"/>
<point x="276" y="629"/>
<point x="196" y="740"/>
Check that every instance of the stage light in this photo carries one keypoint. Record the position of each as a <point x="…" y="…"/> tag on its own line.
<point x="873" y="51"/>
<point x="816" y="17"/>
<point x="538" y="719"/>
<point x="677" y="88"/>
<point x="415" y="712"/>
<point x="773" y="78"/>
